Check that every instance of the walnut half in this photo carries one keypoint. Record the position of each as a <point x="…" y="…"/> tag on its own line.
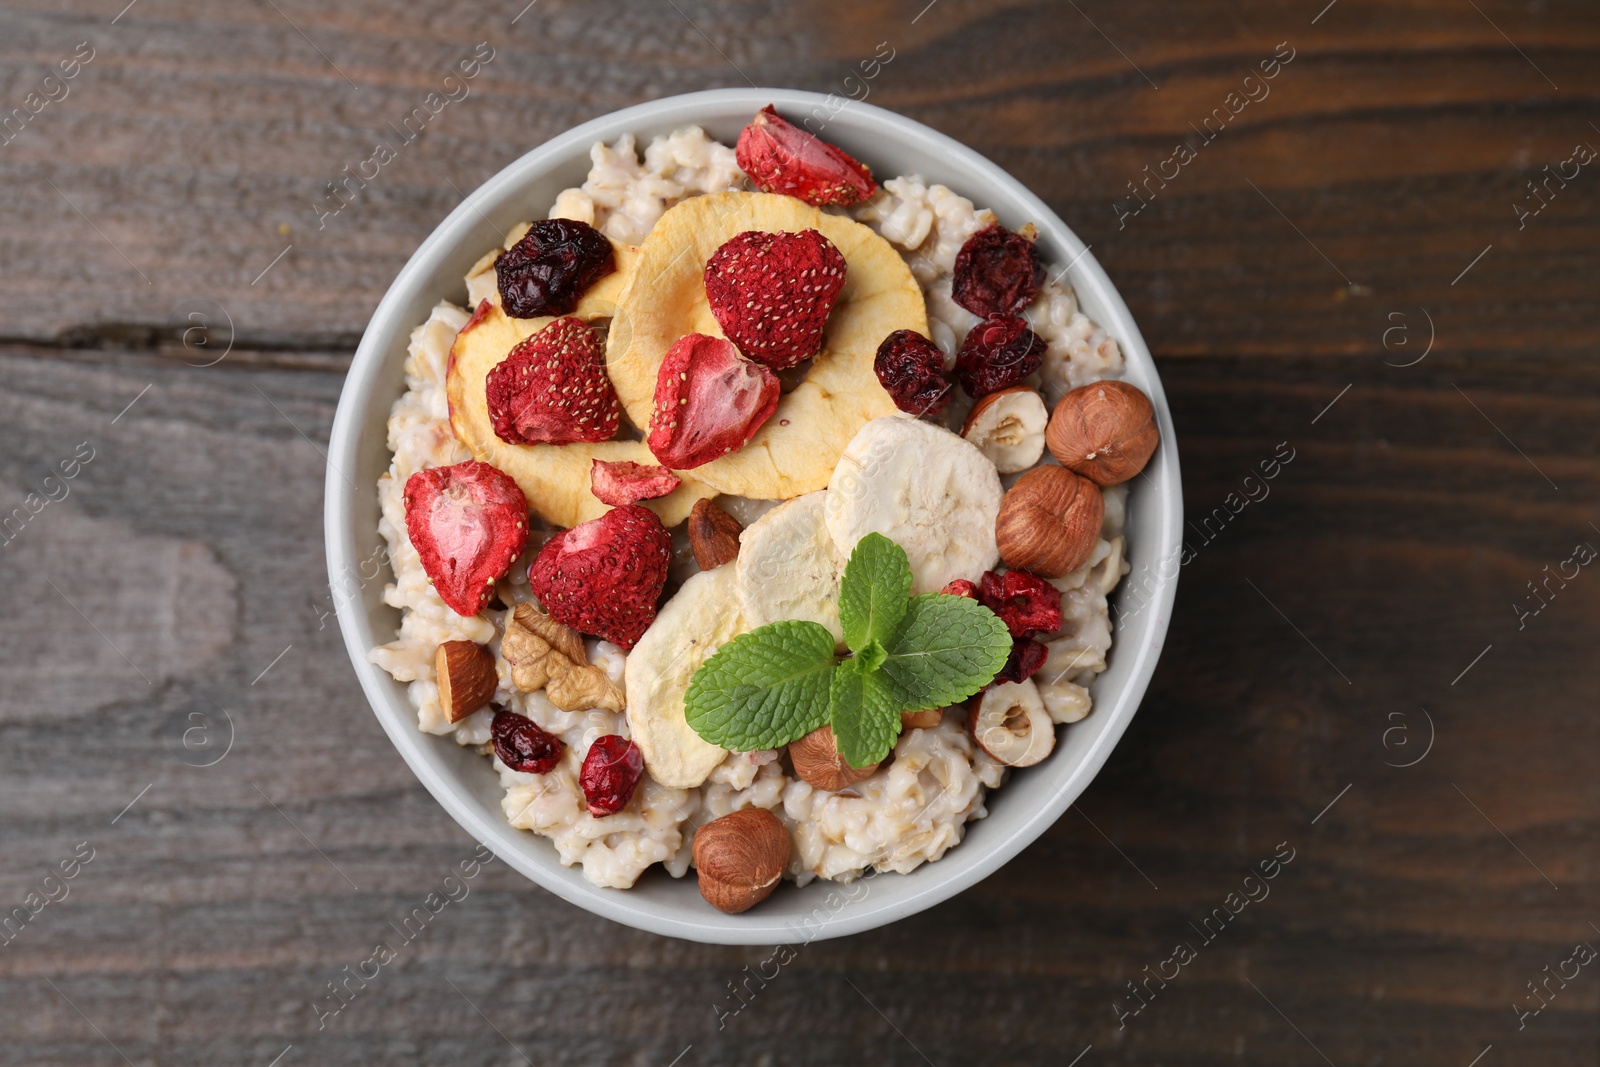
<point x="545" y="654"/>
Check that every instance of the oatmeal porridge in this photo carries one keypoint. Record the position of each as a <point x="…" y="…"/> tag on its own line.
<point x="720" y="398"/>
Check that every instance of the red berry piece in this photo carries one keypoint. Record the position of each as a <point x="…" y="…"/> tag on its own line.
<point x="997" y="272"/>
<point x="961" y="587"/>
<point x="771" y="293"/>
<point x="604" y="576"/>
<point x="998" y="353"/>
<point x="549" y="270"/>
<point x="780" y="157"/>
<point x="522" y="744"/>
<point x="552" y="389"/>
<point x="1025" y="602"/>
<point x="479" y="313"/>
<point x="611" y="772"/>
<point x="911" y="369"/>
<point x="468" y="523"/>
<point x="1027" y="656"/>
<point x="628" y="483"/>
<point x="709" y="401"/>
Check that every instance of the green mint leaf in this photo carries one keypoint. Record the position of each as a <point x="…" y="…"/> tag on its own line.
<point x="872" y="595"/>
<point x="864" y="714"/>
<point x="764" y="688"/>
<point x="945" y="649"/>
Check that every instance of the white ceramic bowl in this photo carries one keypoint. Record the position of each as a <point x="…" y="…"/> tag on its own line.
<point x="463" y="782"/>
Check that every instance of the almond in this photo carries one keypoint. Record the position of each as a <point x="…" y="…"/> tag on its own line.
<point x="816" y="758"/>
<point x="740" y="858"/>
<point x="466" y="676"/>
<point x="1049" y="522"/>
<point x="921" y="720"/>
<point x="713" y="535"/>
<point x="1105" y="431"/>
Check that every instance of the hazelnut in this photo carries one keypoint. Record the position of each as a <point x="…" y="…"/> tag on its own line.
<point x="921" y="720"/>
<point x="1008" y="427"/>
<point x="466" y="676"/>
<point x="1065" y="701"/>
<point x="1009" y="721"/>
<point x="816" y="758"/>
<point x="1106" y="431"/>
<point x="740" y="858"/>
<point x="713" y="535"/>
<point x="1049" y="522"/>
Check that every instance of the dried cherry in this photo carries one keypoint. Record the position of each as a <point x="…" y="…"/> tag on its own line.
<point x="997" y="272"/>
<point x="998" y="353"/>
<point x="522" y="744"/>
<point x="1027" y="656"/>
<point x="549" y="270"/>
<point x="611" y="772"/>
<point x="911" y="369"/>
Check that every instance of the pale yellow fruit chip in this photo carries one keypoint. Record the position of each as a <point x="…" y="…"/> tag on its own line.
<point x="795" y="452"/>
<point x="554" y="478"/>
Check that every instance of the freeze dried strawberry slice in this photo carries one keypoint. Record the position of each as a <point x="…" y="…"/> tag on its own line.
<point x="604" y="576"/>
<point x="1025" y="602"/>
<point x="997" y="272"/>
<point x="552" y="389"/>
<point x="961" y="587"/>
<point x="468" y="523"/>
<point x="709" y="401"/>
<point x="772" y="292"/>
<point x="780" y="157"/>
<point x="610" y="773"/>
<point x="628" y="483"/>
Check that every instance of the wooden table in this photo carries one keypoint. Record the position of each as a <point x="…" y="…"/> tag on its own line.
<point x="1344" y="271"/>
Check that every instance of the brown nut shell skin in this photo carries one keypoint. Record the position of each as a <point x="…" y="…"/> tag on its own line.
<point x="466" y="676"/>
<point x="1049" y="522"/>
<point x="713" y="535"/>
<point x="1105" y="431"/>
<point x="740" y="858"/>
<point x="816" y="759"/>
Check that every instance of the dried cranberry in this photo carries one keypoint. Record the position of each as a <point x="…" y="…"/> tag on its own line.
<point x="1027" y="656"/>
<point x="911" y="369"/>
<point x="611" y="771"/>
<point x="550" y="269"/>
<point x="961" y="587"/>
<point x="998" y="353"/>
<point x="522" y="745"/>
<point x="997" y="272"/>
<point x="1025" y="602"/>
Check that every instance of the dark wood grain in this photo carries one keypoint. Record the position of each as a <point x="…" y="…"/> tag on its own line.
<point x="1311" y="626"/>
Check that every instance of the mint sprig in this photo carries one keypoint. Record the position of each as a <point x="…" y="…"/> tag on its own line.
<point x="779" y="682"/>
<point x="872" y="595"/>
<point x="941" y="645"/>
<point x="864" y="714"/>
<point x="764" y="688"/>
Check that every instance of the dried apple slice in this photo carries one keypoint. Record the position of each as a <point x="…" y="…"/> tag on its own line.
<point x="554" y="478"/>
<point x="665" y="299"/>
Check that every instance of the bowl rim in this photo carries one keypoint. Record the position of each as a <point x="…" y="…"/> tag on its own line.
<point x="398" y="718"/>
